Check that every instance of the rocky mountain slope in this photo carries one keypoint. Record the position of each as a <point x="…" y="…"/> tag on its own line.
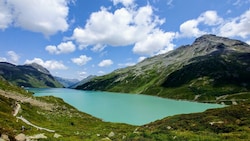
<point x="31" y="75"/>
<point x="209" y="70"/>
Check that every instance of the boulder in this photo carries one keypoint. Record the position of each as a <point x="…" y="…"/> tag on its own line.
<point x="4" y="137"/>
<point x="111" y="134"/>
<point x="20" y="137"/>
<point x="57" y="135"/>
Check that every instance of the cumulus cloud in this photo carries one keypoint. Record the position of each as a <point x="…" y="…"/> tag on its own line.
<point x="105" y="63"/>
<point x="5" y="15"/>
<point x="190" y="28"/>
<point x="155" y="42"/>
<point x="81" y="60"/>
<point x="238" y="26"/>
<point x="3" y="59"/>
<point x="49" y="64"/>
<point x="14" y="58"/>
<point x="141" y="58"/>
<point x="125" y="26"/>
<point x="47" y="17"/>
<point x="210" y="18"/>
<point x="65" y="47"/>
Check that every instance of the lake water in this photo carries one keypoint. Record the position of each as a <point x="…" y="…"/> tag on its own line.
<point x="132" y="109"/>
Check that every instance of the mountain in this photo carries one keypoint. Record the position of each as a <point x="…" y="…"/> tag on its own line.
<point x="85" y="80"/>
<point x="66" y="82"/>
<point x="212" y="69"/>
<point x="30" y="75"/>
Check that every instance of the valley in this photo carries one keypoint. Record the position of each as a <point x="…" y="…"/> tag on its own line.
<point x="212" y="70"/>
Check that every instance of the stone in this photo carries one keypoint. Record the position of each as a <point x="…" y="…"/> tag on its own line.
<point x="57" y="135"/>
<point x="5" y="137"/>
<point x="38" y="136"/>
<point x="111" y="134"/>
<point x="20" y="137"/>
<point x="106" y="139"/>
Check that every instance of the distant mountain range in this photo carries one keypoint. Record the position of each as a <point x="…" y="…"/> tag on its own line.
<point x="210" y="69"/>
<point x="30" y="75"/>
<point x="85" y="80"/>
<point x="66" y="82"/>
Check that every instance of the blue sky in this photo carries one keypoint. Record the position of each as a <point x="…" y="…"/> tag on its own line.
<point x="77" y="38"/>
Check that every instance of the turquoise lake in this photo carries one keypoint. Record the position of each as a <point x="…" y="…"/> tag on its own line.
<point x="135" y="109"/>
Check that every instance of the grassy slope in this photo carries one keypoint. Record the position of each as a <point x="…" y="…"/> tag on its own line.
<point x="63" y="118"/>
<point x="230" y="123"/>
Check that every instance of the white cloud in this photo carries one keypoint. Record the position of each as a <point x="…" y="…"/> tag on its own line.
<point x="3" y="59"/>
<point x="238" y="26"/>
<point x="155" y="43"/>
<point x="123" y="27"/>
<point x="65" y="47"/>
<point x="124" y="2"/>
<point x="190" y="28"/>
<point x="105" y="63"/>
<point x="248" y="42"/>
<point x="49" y="64"/>
<point x="81" y="60"/>
<point x="14" y="58"/>
<point x="98" y="48"/>
<point x="210" y="18"/>
<point x="82" y="74"/>
<point x="141" y="58"/>
<point x="47" y="17"/>
<point x="5" y="15"/>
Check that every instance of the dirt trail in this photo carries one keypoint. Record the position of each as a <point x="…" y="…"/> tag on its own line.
<point x="29" y="123"/>
<point x="34" y="102"/>
<point x="22" y="98"/>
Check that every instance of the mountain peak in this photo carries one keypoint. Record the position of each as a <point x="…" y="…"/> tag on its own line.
<point x="210" y="43"/>
<point x="213" y="39"/>
<point x="39" y="68"/>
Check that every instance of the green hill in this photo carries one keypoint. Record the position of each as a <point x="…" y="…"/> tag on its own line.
<point x="209" y="70"/>
<point x="32" y="75"/>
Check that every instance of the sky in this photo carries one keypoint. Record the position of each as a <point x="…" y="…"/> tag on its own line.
<point x="77" y="38"/>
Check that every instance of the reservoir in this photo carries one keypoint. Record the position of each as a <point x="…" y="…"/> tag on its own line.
<point x="134" y="109"/>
